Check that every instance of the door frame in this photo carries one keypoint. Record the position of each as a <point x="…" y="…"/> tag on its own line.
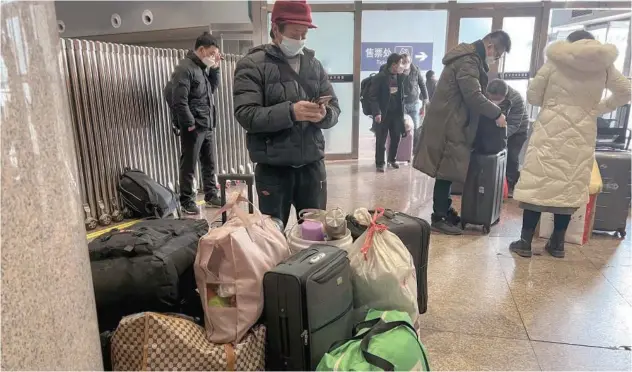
<point x="498" y="15"/>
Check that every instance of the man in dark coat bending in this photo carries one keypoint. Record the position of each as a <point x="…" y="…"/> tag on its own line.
<point x="283" y="115"/>
<point x="451" y="121"/>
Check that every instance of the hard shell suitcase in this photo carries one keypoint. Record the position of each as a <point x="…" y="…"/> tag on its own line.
<point x="308" y="306"/>
<point x="613" y="203"/>
<point x="405" y="149"/>
<point x="415" y="234"/>
<point x="483" y="190"/>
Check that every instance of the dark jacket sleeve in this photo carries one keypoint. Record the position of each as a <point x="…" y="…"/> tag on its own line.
<point x="374" y="94"/>
<point x="516" y="115"/>
<point x="333" y="108"/>
<point x="467" y="77"/>
<point x="213" y="78"/>
<point x="249" y="100"/>
<point x="180" y="97"/>
<point x="423" y="92"/>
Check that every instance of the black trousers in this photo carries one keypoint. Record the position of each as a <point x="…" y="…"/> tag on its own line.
<point x="195" y="145"/>
<point x="278" y="188"/>
<point x="441" y="200"/>
<point x="530" y="220"/>
<point x="382" y="131"/>
<point x="514" y="146"/>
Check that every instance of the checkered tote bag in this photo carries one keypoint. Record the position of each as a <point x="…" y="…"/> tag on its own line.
<point x="159" y="342"/>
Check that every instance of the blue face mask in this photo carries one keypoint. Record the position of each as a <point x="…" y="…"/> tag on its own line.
<point x="291" y="47"/>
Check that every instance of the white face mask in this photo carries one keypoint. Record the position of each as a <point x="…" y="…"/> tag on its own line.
<point x="209" y="62"/>
<point x="490" y="60"/>
<point x="291" y="47"/>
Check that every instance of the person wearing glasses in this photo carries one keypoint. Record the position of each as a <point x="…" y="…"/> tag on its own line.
<point x="451" y="121"/>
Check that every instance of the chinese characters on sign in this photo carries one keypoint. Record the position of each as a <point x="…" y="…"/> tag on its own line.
<point x="374" y="54"/>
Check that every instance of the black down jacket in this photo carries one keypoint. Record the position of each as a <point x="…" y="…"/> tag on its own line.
<point x="192" y="89"/>
<point x="263" y="94"/>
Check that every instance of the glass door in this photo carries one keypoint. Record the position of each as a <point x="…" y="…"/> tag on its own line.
<point x="332" y="42"/>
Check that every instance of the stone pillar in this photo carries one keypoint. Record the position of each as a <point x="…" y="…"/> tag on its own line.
<point x="48" y="312"/>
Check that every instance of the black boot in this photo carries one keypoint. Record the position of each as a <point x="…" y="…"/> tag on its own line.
<point x="522" y="247"/>
<point x="555" y="245"/>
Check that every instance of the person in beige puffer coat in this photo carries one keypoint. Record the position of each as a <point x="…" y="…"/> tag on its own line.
<point x="558" y="163"/>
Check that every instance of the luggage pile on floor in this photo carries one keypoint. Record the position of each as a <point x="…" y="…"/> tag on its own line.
<point x="264" y="305"/>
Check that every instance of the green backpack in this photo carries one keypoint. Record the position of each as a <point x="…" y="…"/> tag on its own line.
<point x="385" y="340"/>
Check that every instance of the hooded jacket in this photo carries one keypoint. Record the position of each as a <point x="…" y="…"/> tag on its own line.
<point x="264" y="91"/>
<point x="451" y="121"/>
<point x="192" y="89"/>
<point x="569" y="89"/>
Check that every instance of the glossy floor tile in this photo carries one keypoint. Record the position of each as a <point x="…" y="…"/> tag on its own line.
<point x="560" y="357"/>
<point x="491" y="310"/>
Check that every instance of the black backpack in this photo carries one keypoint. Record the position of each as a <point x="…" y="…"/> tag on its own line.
<point x="490" y="138"/>
<point x="145" y="197"/>
<point x="365" y="87"/>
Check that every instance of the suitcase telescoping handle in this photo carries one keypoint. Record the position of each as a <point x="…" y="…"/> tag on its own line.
<point x="249" y="179"/>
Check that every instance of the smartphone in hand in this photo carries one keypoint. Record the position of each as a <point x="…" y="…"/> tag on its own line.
<point x="324" y="100"/>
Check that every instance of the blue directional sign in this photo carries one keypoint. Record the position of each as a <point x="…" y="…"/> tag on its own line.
<point x="374" y="54"/>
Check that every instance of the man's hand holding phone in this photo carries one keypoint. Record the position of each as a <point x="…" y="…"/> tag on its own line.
<point x="309" y="111"/>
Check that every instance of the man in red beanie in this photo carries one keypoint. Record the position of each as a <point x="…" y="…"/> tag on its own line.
<point x="284" y="100"/>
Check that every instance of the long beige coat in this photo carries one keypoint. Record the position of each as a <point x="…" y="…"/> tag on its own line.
<point x="569" y="89"/>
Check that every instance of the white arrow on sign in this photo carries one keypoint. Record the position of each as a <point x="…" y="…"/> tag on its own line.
<point x="421" y="56"/>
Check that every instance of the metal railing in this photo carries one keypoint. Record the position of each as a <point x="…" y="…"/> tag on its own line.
<point x="120" y="119"/>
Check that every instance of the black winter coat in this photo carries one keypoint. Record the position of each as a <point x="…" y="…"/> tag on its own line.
<point x="192" y="89"/>
<point x="264" y="91"/>
<point x="380" y="99"/>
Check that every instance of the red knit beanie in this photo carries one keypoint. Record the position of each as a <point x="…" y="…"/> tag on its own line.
<point x="292" y="11"/>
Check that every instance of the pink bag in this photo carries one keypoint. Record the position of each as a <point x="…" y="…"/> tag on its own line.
<point x="229" y="268"/>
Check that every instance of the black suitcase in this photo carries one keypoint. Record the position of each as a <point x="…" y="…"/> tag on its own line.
<point x="148" y="267"/>
<point x="483" y="190"/>
<point x="415" y="234"/>
<point x="613" y="203"/>
<point x="308" y="306"/>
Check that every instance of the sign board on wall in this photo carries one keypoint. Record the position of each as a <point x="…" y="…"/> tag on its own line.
<point x="374" y="54"/>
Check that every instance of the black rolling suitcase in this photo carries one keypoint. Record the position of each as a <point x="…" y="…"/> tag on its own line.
<point x="483" y="190"/>
<point x="613" y="203"/>
<point x="308" y="306"/>
<point x="415" y="234"/>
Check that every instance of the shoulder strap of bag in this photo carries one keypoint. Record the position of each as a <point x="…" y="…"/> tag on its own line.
<point x="284" y="65"/>
<point x="379" y="328"/>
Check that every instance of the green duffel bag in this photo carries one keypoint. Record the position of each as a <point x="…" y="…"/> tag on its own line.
<point x="386" y="340"/>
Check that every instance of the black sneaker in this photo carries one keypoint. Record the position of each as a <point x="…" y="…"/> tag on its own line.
<point x="380" y="169"/>
<point x="453" y="217"/>
<point x="510" y="193"/>
<point x="213" y="202"/>
<point x="446" y="227"/>
<point x="190" y="208"/>
<point x="394" y="165"/>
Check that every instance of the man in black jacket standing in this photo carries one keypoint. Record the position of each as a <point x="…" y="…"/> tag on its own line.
<point x="194" y="81"/>
<point x="276" y="95"/>
<point x="386" y="97"/>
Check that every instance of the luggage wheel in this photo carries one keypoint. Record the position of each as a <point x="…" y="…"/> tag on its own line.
<point x="486" y="229"/>
<point x="117" y="216"/>
<point x="90" y="222"/>
<point x="104" y="218"/>
<point x="621" y="233"/>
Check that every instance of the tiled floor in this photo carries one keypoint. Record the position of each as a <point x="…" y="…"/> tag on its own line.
<point x="490" y="310"/>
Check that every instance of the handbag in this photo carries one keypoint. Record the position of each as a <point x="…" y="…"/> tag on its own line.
<point x="172" y="342"/>
<point x="386" y="341"/>
<point x="229" y="267"/>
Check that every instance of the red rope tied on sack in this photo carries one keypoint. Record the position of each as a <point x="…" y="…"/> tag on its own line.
<point x="373" y="228"/>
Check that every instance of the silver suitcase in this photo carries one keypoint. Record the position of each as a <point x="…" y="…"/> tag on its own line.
<point x="613" y="204"/>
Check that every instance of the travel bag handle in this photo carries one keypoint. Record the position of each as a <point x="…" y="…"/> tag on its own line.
<point x="379" y="328"/>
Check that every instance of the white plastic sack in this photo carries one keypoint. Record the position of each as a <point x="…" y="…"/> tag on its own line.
<point x="383" y="269"/>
